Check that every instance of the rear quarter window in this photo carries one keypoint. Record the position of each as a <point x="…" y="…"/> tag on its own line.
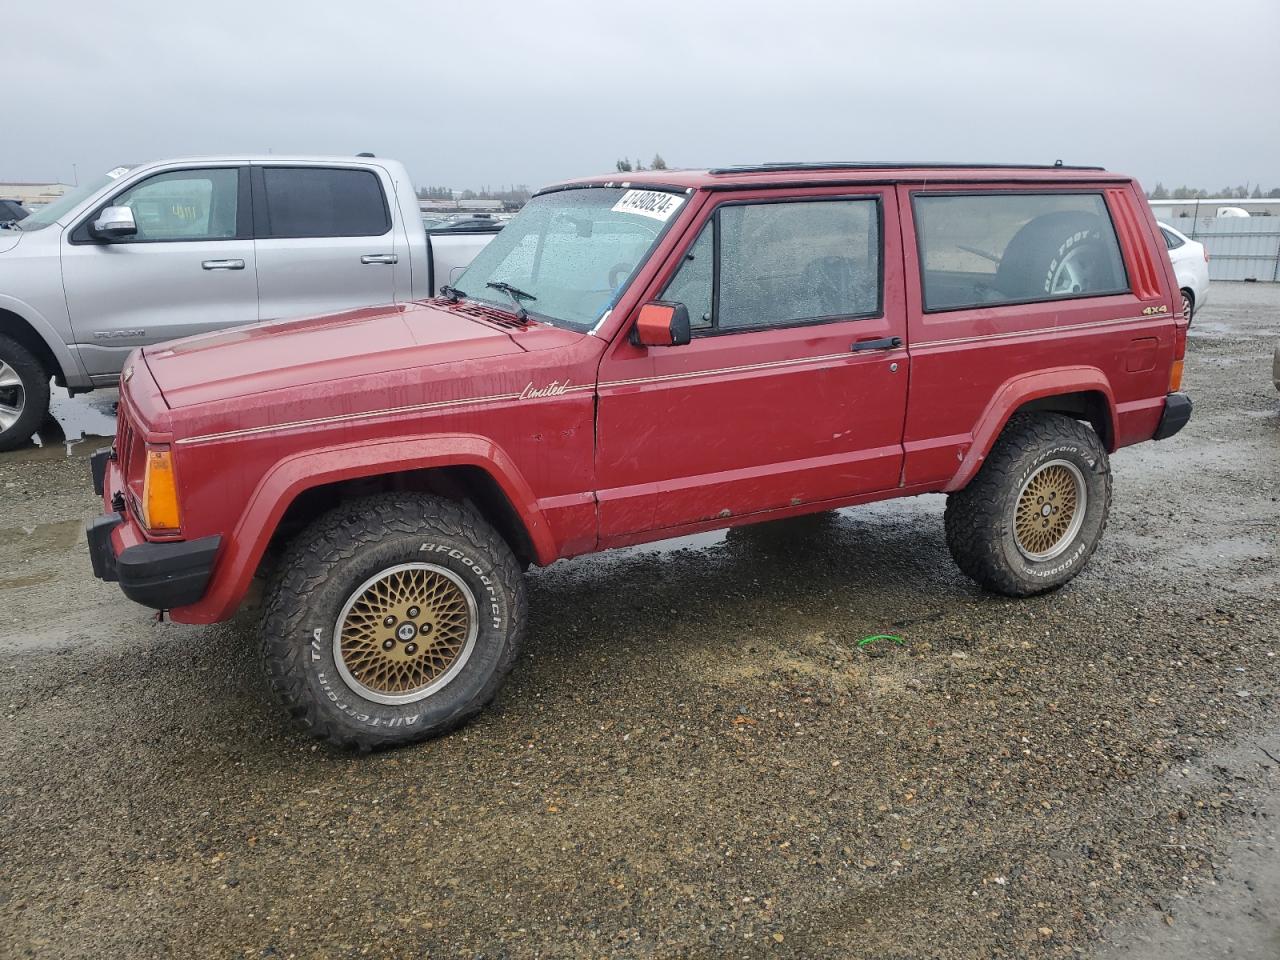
<point x="992" y="249"/>
<point x="322" y="202"/>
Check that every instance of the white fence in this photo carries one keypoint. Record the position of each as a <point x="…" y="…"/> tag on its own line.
<point x="1240" y="248"/>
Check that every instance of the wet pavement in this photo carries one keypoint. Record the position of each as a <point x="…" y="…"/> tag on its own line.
<point x="695" y="755"/>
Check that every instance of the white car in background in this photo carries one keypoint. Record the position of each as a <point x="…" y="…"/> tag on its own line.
<point x="1191" y="265"/>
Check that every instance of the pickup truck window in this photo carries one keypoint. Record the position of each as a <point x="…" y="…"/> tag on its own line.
<point x="782" y="263"/>
<point x="572" y="251"/>
<point x="1007" y="248"/>
<point x="322" y="202"/>
<point x="184" y="205"/>
<point x="54" y="210"/>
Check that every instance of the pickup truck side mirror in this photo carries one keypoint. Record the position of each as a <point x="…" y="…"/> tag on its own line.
<point x="114" y="223"/>
<point x="662" y="325"/>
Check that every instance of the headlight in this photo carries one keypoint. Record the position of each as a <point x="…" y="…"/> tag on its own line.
<point x="160" y="491"/>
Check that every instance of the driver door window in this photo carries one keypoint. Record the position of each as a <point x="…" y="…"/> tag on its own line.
<point x="185" y="205"/>
<point x="782" y="264"/>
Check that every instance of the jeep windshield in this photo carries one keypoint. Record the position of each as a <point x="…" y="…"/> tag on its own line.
<point x="571" y="252"/>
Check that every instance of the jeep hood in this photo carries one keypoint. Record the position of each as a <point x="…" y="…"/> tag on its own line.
<point x="293" y="353"/>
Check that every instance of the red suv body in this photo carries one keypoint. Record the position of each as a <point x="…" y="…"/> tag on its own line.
<point x="770" y="341"/>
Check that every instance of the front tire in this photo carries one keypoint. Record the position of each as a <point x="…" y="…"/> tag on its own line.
<point x="24" y="393"/>
<point x="1188" y="304"/>
<point x="392" y="619"/>
<point x="1033" y="515"/>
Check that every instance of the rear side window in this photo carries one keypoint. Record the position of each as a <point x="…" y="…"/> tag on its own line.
<point x="1171" y="239"/>
<point x="991" y="249"/>
<point x="322" y="202"/>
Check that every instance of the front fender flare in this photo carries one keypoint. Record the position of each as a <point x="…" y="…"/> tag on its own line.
<point x="1015" y="392"/>
<point x="281" y="485"/>
<point x="66" y="356"/>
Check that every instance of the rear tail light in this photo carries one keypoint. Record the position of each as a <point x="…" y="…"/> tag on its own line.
<point x="160" y="491"/>
<point x="1206" y="253"/>
<point x="1179" y="355"/>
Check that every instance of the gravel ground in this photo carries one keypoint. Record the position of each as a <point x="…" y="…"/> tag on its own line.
<point x="695" y="757"/>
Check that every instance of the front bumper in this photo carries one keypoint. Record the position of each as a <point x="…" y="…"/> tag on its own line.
<point x="158" y="575"/>
<point x="1177" y="411"/>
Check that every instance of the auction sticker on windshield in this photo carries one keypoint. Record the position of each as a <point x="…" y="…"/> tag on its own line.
<point x="649" y="203"/>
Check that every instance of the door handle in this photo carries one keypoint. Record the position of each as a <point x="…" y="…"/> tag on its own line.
<point x="884" y="343"/>
<point x="379" y="258"/>
<point x="222" y="264"/>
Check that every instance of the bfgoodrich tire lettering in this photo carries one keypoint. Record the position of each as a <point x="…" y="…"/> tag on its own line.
<point x="339" y="556"/>
<point x="982" y="519"/>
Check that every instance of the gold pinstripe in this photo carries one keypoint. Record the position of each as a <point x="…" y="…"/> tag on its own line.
<point x="665" y="378"/>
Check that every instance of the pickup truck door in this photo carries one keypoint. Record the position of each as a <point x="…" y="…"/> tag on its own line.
<point x="793" y="390"/>
<point x="189" y="269"/>
<point x="326" y="239"/>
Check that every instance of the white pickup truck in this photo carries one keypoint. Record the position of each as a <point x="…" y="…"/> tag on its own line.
<point x="179" y="247"/>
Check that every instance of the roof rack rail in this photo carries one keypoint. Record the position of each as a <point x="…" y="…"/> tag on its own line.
<point x="777" y="167"/>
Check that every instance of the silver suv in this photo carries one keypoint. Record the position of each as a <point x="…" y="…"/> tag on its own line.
<point x="182" y="247"/>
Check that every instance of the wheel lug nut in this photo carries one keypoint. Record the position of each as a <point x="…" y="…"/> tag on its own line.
<point x="425" y="629"/>
<point x="389" y="621"/>
<point x="388" y="644"/>
<point x="411" y="648"/>
<point x="413" y="613"/>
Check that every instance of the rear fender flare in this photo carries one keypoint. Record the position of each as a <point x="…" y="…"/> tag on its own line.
<point x="1015" y="392"/>
<point x="290" y="477"/>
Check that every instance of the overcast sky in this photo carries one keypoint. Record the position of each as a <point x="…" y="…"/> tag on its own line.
<point x="474" y="92"/>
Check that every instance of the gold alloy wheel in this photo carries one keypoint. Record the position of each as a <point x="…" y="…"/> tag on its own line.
<point x="1050" y="510"/>
<point x="405" y="633"/>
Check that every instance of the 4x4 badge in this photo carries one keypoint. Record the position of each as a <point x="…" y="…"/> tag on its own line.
<point x="1148" y="311"/>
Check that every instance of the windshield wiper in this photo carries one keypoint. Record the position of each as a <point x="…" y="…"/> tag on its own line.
<point x="9" y="225"/>
<point x="516" y="294"/>
<point x="453" y="293"/>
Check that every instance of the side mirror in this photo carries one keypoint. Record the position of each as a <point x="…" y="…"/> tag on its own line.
<point x="662" y="325"/>
<point x="114" y="223"/>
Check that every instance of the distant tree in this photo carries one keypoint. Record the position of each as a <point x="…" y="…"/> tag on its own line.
<point x="1273" y="194"/>
<point x="1257" y="192"/>
<point x="1183" y="193"/>
<point x="624" y="165"/>
<point x="657" y="163"/>
<point x="1159" y="193"/>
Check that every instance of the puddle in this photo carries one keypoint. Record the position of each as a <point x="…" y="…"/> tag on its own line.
<point x="76" y="426"/>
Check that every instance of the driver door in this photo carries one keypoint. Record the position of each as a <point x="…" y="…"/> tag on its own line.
<point x="189" y="269"/>
<point x="793" y="389"/>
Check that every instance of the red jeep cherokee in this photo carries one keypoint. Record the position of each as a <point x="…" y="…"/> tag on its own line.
<point x="634" y="360"/>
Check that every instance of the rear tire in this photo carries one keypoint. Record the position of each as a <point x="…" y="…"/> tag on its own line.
<point x="24" y="393"/>
<point x="1188" y="304"/>
<point x="392" y="619"/>
<point x="1033" y="515"/>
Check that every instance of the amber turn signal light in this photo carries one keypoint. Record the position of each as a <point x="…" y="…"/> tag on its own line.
<point x="160" y="491"/>
<point x="1175" y="376"/>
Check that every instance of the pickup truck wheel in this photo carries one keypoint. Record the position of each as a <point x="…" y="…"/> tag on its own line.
<point x="1032" y="517"/>
<point x="392" y="619"/>
<point x="24" y="393"/>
